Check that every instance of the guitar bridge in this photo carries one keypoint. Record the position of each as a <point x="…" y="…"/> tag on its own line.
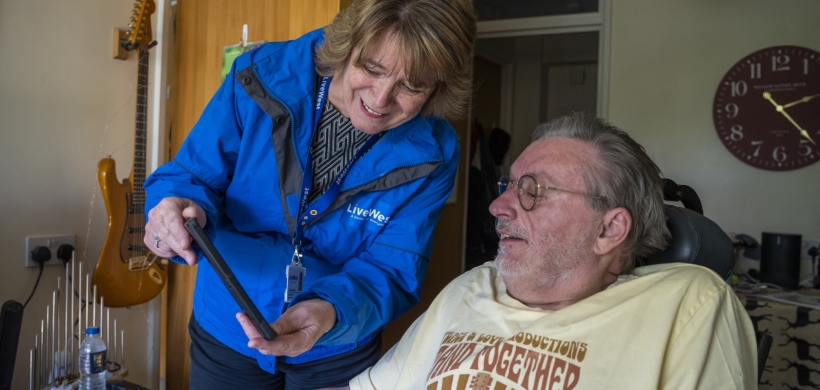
<point x="138" y="263"/>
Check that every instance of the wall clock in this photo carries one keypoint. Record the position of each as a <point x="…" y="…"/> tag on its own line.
<point x="767" y="108"/>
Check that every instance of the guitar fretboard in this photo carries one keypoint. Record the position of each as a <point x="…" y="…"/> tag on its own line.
<point x="140" y="138"/>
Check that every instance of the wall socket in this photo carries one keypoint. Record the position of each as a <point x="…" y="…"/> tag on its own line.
<point x="50" y="242"/>
<point x="804" y="251"/>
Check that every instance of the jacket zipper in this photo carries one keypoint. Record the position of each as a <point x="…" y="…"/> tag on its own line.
<point x="292" y="119"/>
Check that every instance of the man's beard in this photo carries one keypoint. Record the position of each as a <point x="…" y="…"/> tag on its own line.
<point x="544" y="264"/>
<point x="544" y="268"/>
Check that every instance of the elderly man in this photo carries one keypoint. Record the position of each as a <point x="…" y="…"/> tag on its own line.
<point x="562" y="306"/>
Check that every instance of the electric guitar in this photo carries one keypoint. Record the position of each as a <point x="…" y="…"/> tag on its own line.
<point x="127" y="273"/>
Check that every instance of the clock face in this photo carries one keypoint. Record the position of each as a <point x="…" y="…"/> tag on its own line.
<point x="767" y="108"/>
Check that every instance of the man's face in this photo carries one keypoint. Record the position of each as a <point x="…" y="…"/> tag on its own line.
<point x="552" y="243"/>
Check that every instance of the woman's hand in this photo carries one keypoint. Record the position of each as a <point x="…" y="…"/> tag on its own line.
<point x="297" y="330"/>
<point x="165" y="232"/>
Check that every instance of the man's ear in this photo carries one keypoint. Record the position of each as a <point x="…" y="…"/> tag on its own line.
<point x="616" y="226"/>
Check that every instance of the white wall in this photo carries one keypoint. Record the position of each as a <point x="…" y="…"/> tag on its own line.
<point x="568" y="88"/>
<point x="64" y="105"/>
<point x="667" y="59"/>
<point x="526" y="92"/>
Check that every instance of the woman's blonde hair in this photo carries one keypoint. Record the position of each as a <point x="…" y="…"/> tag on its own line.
<point x="435" y="34"/>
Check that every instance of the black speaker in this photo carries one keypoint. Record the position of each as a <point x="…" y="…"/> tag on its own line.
<point x="11" y="318"/>
<point x="780" y="259"/>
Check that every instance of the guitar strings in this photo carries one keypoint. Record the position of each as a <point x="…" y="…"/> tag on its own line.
<point x="142" y="71"/>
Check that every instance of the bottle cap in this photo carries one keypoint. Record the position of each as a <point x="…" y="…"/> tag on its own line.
<point x="92" y="330"/>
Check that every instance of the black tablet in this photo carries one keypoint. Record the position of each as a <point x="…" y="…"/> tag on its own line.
<point x="221" y="268"/>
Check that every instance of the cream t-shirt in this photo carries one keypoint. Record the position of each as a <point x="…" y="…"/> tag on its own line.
<point x="669" y="326"/>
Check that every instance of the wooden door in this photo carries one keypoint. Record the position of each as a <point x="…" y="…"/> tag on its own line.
<point x="203" y="28"/>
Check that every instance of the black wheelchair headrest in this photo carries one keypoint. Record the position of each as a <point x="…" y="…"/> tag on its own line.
<point x="696" y="240"/>
<point x="682" y="193"/>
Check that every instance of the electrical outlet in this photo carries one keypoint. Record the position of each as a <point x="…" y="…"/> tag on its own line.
<point x="804" y="252"/>
<point x="50" y="242"/>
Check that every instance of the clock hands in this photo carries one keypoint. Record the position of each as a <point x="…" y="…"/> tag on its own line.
<point x="803" y="100"/>
<point x="779" y="108"/>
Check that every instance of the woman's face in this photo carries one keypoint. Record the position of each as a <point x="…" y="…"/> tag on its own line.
<point x="378" y="96"/>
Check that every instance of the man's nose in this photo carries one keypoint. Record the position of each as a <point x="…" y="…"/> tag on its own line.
<point x="505" y="205"/>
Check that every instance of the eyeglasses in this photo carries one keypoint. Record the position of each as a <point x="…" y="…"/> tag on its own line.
<point x="528" y="190"/>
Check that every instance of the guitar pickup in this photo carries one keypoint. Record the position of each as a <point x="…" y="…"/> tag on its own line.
<point x="136" y="230"/>
<point x="137" y="248"/>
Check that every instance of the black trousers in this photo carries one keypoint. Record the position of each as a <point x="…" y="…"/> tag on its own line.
<point x="215" y="366"/>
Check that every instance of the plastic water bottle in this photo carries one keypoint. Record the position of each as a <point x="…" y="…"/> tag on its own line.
<point x="92" y="361"/>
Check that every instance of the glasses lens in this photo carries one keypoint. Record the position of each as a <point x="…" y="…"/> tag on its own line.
<point x="503" y="183"/>
<point x="527" y="192"/>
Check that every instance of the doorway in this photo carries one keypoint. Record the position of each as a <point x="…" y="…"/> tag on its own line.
<point x="537" y="78"/>
<point x="526" y="72"/>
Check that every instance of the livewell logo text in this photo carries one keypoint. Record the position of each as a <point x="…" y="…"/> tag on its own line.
<point x="373" y="214"/>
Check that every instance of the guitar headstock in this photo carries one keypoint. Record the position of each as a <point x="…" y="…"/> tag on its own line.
<point x="139" y="33"/>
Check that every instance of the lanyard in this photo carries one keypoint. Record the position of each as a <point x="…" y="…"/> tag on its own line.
<point x="308" y="214"/>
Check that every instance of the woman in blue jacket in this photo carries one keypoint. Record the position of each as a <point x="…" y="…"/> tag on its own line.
<point x="319" y="169"/>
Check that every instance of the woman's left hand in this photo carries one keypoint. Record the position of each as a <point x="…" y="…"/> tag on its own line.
<point x="297" y="329"/>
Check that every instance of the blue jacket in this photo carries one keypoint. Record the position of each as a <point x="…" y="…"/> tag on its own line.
<point x="243" y="163"/>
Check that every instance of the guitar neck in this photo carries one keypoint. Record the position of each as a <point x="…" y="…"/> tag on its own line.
<point x="141" y="133"/>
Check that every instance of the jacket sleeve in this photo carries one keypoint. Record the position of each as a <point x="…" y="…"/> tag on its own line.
<point x="203" y="167"/>
<point x="386" y="279"/>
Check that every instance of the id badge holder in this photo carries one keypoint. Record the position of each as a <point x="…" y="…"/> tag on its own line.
<point x="295" y="274"/>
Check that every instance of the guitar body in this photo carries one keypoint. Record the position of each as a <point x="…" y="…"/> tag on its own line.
<point x="127" y="273"/>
